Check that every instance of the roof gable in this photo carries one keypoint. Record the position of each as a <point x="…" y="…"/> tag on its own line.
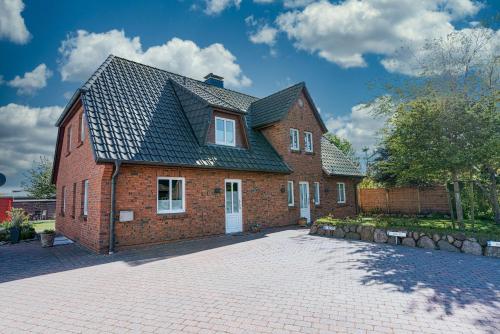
<point x="275" y="107"/>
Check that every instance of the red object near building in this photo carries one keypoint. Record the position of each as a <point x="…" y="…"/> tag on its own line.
<point x="5" y="205"/>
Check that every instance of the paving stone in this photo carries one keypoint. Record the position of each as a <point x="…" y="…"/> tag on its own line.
<point x="278" y="281"/>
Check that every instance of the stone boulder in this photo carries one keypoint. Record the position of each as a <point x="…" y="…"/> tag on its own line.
<point x="314" y="229"/>
<point x="450" y="239"/>
<point x="380" y="236"/>
<point x="459" y="236"/>
<point x="426" y="242"/>
<point x="352" y="236"/>
<point x="492" y="251"/>
<point x="445" y="245"/>
<point x="367" y="233"/>
<point x="457" y="243"/>
<point x="472" y="247"/>
<point x="436" y="237"/>
<point x="339" y="233"/>
<point x="408" y="242"/>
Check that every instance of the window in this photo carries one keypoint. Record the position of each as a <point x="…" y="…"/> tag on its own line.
<point x="171" y="195"/>
<point x="69" y="135"/>
<point x="290" y="193"/>
<point x="63" y="206"/>
<point x="301" y="103"/>
<point x="316" y="193"/>
<point x="340" y="192"/>
<point x="308" y="141"/>
<point x="224" y="131"/>
<point x="294" y="139"/>
<point x="85" y="197"/>
<point x="82" y="128"/>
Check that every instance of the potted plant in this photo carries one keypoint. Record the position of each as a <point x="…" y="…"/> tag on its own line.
<point x="303" y="221"/>
<point x="255" y="227"/>
<point x="17" y="217"/>
<point x="47" y="238"/>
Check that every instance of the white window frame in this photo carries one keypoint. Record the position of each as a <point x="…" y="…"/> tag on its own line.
<point x="294" y="139"/>
<point x="183" y="209"/>
<point x="290" y="191"/>
<point x="226" y="121"/>
<point x="308" y="136"/>
<point x="340" y="195"/>
<point x="70" y="138"/>
<point x="82" y="129"/>
<point x="317" y="199"/>
<point x="85" y="197"/>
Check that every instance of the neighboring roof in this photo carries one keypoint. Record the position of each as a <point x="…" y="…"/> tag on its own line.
<point x="134" y="114"/>
<point x="275" y="107"/>
<point x="335" y="162"/>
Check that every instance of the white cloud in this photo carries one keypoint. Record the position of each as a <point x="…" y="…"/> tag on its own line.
<point x="12" y="25"/>
<point x="263" y="1"/>
<point x="26" y="133"/>
<point x="83" y="52"/>
<point x="344" y="32"/>
<point x="361" y="127"/>
<point x="214" y="7"/>
<point x="264" y="35"/>
<point x="31" y="81"/>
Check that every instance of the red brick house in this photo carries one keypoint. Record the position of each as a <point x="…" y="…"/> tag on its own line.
<point x="145" y="156"/>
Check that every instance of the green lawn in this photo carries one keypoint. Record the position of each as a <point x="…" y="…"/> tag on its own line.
<point x="481" y="228"/>
<point x="41" y="225"/>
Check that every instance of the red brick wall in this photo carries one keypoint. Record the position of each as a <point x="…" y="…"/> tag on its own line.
<point x="404" y="200"/>
<point x="307" y="166"/>
<point x="75" y="167"/>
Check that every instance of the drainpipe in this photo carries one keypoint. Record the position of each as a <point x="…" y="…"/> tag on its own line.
<point x="112" y="215"/>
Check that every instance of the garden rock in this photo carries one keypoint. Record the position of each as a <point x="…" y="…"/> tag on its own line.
<point x="436" y="237"/>
<point x="367" y="233"/>
<point x="380" y="236"/>
<point x="450" y="239"/>
<point x="353" y="236"/>
<point x="445" y="245"/>
<point x="408" y="242"/>
<point x="339" y="233"/>
<point x="457" y="243"/>
<point x="314" y="229"/>
<point x="459" y="236"/>
<point x="472" y="247"/>
<point x="426" y="242"/>
<point x="492" y="251"/>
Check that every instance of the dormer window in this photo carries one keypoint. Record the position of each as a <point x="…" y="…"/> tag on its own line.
<point x="224" y="131"/>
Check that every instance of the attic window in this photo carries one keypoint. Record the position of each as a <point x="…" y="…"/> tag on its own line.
<point x="224" y="131"/>
<point x="301" y="103"/>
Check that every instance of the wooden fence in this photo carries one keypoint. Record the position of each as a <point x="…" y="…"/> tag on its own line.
<point x="404" y="200"/>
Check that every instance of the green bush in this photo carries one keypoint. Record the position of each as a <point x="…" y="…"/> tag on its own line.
<point x="27" y="231"/>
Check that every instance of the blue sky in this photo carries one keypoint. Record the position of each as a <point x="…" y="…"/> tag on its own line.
<point x="343" y="50"/>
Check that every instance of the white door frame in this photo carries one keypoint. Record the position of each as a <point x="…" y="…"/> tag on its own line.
<point x="239" y="215"/>
<point x="306" y="211"/>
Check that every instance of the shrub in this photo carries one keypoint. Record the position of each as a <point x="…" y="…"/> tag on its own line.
<point x="27" y="231"/>
<point x="17" y="217"/>
<point x="49" y="231"/>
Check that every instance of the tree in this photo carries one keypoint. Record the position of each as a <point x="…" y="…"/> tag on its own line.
<point x="446" y="126"/>
<point x="38" y="179"/>
<point x="344" y="145"/>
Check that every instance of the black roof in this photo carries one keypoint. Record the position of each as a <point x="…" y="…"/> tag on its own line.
<point x="140" y="114"/>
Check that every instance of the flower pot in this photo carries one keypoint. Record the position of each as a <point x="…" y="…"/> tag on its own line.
<point x="47" y="239"/>
<point x="302" y="221"/>
<point x="15" y="234"/>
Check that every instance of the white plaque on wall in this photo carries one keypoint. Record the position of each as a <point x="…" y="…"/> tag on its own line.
<point x="126" y="216"/>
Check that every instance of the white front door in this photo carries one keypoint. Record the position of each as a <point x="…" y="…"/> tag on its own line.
<point x="234" y="220"/>
<point x="305" y="210"/>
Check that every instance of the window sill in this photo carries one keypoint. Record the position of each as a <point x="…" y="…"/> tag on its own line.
<point x="67" y="154"/>
<point x="295" y="151"/>
<point x="309" y="153"/>
<point x="79" y="144"/>
<point x="173" y="215"/>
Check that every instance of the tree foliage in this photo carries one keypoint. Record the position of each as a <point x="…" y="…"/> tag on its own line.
<point x="37" y="181"/>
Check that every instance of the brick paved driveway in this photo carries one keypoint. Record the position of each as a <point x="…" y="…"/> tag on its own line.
<point x="282" y="281"/>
